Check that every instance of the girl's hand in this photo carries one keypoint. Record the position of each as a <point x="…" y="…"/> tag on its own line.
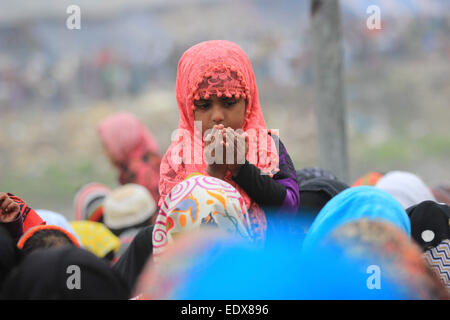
<point x="9" y="209"/>
<point x="240" y="149"/>
<point x="214" y="141"/>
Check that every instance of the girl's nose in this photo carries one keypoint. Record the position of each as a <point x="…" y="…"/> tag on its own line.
<point x="217" y="115"/>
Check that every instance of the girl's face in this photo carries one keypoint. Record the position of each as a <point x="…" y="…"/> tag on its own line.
<point x="229" y="112"/>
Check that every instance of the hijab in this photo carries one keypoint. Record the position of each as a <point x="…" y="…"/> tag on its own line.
<point x="134" y="148"/>
<point x="405" y="187"/>
<point x="353" y="204"/>
<point x="96" y="237"/>
<point x="369" y="259"/>
<point x="197" y="202"/>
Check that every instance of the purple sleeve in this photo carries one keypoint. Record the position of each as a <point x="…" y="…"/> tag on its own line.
<point x="287" y="177"/>
<point x="15" y="227"/>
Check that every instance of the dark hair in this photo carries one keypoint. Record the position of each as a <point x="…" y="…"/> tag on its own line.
<point x="44" y="239"/>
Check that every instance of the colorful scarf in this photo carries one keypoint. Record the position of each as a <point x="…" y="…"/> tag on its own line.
<point x="383" y="245"/>
<point x="198" y="202"/>
<point x="96" y="237"/>
<point x="88" y="202"/>
<point x="369" y="179"/>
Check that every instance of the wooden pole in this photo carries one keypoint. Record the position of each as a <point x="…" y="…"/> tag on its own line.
<point x="327" y="54"/>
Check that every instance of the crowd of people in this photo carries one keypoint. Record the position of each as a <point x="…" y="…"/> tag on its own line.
<point x="224" y="214"/>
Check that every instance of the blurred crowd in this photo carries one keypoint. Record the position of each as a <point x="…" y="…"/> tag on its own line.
<point x="257" y="229"/>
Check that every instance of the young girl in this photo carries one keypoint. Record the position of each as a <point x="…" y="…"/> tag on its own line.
<point x="216" y="88"/>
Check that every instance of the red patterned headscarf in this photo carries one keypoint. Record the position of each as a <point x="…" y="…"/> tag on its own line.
<point x="219" y="68"/>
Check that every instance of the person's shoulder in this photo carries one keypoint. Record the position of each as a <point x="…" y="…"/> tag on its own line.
<point x="279" y="144"/>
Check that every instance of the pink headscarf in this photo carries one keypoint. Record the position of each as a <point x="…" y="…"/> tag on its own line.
<point x="126" y="137"/>
<point x="222" y="68"/>
<point x="128" y="141"/>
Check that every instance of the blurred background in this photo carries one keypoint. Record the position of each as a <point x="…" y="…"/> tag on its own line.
<point x="56" y="84"/>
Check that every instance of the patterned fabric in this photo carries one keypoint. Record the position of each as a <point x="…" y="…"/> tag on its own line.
<point x="221" y="80"/>
<point x="439" y="260"/>
<point x="227" y="64"/>
<point x="96" y="238"/>
<point x="88" y="202"/>
<point x="388" y="247"/>
<point x="134" y="148"/>
<point x="369" y="179"/>
<point x="405" y="187"/>
<point x="198" y="202"/>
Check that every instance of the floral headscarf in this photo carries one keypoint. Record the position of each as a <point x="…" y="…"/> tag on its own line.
<point x="197" y="202"/>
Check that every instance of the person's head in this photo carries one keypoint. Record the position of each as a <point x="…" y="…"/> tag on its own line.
<point x="56" y="219"/>
<point x="88" y="202"/>
<point x="354" y="204"/>
<point x="45" y="237"/>
<point x="200" y="202"/>
<point x="128" y="206"/>
<point x="124" y="137"/>
<point x="316" y="192"/>
<point x="97" y="238"/>
<point x="306" y="174"/>
<point x="430" y="223"/>
<point x="216" y="85"/>
<point x="385" y="256"/>
<point x="66" y="273"/>
<point x="407" y="188"/>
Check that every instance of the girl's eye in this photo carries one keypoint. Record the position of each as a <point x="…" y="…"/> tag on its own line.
<point x="202" y="105"/>
<point x="229" y="103"/>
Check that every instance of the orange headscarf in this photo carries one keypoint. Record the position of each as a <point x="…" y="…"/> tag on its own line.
<point x="219" y="68"/>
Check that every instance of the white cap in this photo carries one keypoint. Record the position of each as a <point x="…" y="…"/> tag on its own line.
<point x="407" y="188"/>
<point x="128" y="205"/>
